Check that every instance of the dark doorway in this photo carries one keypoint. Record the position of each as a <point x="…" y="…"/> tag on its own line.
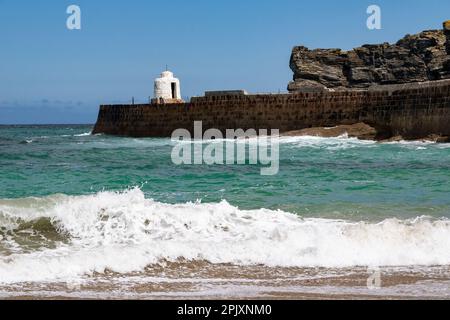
<point x="174" y="90"/>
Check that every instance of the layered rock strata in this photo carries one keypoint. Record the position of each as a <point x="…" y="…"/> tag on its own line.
<point x="415" y="58"/>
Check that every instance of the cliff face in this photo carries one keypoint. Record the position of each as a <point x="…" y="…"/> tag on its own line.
<point x="415" y="58"/>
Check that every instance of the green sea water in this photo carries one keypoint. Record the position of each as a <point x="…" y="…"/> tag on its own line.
<point x="75" y="207"/>
<point x="336" y="178"/>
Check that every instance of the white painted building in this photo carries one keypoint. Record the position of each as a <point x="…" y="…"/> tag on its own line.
<point x="167" y="88"/>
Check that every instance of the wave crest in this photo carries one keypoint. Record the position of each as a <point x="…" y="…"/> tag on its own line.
<point x="125" y="232"/>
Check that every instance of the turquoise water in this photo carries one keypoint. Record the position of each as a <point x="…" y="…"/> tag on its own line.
<point x="75" y="205"/>
<point x="323" y="178"/>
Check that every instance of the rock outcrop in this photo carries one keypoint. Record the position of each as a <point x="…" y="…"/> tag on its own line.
<point x="447" y="34"/>
<point x="359" y="130"/>
<point x="415" y="58"/>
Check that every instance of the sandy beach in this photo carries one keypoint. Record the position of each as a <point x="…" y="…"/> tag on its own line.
<point x="201" y="280"/>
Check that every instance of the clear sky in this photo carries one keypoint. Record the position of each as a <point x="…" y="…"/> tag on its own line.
<point x="49" y="74"/>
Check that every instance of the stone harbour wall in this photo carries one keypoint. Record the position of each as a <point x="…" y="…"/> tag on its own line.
<point x="413" y="110"/>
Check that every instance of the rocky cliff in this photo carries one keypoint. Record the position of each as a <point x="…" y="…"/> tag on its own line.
<point x="415" y="58"/>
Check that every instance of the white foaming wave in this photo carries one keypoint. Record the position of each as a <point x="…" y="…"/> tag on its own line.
<point x="125" y="232"/>
<point x="345" y="142"/>
<point x="83" y="134"/>
<point x="333" y="143"/>
<point x="418" y="144"/>
<point x="125" y="142"/>
<point x="330" y="143"/>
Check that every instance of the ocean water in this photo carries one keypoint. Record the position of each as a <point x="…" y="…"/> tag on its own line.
<point x="82" y="208"/>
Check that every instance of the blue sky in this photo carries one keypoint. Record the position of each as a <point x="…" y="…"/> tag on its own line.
<point x="49" y="74"/>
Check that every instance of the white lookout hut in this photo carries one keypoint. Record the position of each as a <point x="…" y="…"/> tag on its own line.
<point x="167" y="89"/>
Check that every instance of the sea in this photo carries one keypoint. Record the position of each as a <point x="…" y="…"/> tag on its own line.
<point x="87" y="216"/>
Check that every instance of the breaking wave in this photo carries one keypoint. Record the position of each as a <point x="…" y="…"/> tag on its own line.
<point x="125" y="232"/>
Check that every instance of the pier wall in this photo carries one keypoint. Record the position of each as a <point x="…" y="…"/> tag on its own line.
<point x="413" y="110"/>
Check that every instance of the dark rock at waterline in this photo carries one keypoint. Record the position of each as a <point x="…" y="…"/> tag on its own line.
<point x="359" y="130"/>
<point x="392" y="139"/>
<point x="437" y="138"/>
<point x="415" y="58"/>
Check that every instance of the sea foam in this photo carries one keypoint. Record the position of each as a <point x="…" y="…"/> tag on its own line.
<point x="126" y="232"/>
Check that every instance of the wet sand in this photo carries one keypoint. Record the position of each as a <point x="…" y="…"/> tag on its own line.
<point x="201" y="280"/>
